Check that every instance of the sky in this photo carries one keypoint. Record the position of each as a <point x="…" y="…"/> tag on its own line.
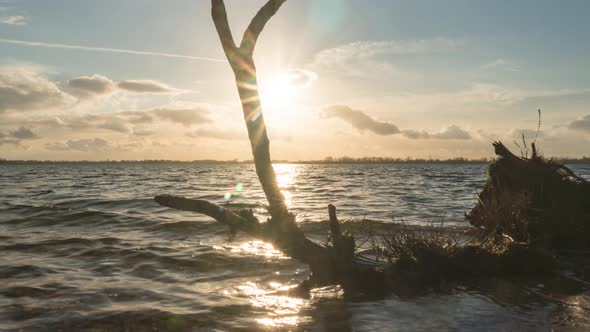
<point x="147" y="79"/>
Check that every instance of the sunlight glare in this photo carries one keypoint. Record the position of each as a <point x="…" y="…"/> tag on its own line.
<point x="284" y="87"/>
<point x="257" y="248"/>
<point x="282" y="310"/>
<point x="278" y="91"/>
<point x="286" y="174"/>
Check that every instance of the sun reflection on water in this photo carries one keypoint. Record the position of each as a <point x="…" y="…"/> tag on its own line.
<point x="286" y="174"/>
<point x="282" y="310"/>
<point x="256" y="248"/>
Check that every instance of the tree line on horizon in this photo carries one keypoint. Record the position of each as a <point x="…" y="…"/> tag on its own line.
<point x="327" y="160"/>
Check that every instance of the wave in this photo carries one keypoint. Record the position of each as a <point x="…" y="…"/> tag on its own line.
<point x="11" y="271"/>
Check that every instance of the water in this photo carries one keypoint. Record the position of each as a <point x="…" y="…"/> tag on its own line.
<point x="84" y="247"/>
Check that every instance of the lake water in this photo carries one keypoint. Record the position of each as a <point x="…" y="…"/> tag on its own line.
<point x="85" y="248"/>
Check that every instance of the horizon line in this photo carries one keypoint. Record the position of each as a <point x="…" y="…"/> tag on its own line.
<point x="361" y="160"/>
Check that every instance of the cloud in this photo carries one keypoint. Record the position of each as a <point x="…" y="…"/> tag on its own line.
<point x="116" y="125"/>
<point x="138" y="123"/>
<point x="116" y="122"/>
<point x="90" y="86"/>
<point x="23" y="133"/>
<point x="97" y="85"/>
<point x="18" y="135"/>
<point x="138" y="117"/>
<point x="581" y="124"/>
<point x="452" y="132"/>
<point x="416" y="134"/>
<point x="144" y="86"/>
<point x="185" y="117"/>
<point x="366" y="58"/>
<point x="25" y="89"/>
<point x="360" y="120"/>
<point x="13" y="20"/>
<point x="216" y="134"/>
<point x="143" y="132"/>
<point x="369" y="49"/>
<point x="84" y="145"/>
<point x="501" y="64"/>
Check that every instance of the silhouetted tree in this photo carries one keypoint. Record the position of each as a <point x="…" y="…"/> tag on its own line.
<point x="329" y="264"/>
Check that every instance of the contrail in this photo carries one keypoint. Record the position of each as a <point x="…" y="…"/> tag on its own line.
<point x="105" y="49"/>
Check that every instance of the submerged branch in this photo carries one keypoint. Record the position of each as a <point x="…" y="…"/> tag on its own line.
<point x="219" y="213"/>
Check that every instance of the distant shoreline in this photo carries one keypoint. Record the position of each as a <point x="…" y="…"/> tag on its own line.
<point x="339" y="161"/>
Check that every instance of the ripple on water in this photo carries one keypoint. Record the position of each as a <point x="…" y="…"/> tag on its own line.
<point x="84" y="247"/>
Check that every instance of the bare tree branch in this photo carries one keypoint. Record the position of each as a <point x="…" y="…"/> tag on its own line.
<point x="216" y="212"/>
<point x="257" y="25"/>
<point x="329" y="265"/>
<point x="244" y="69"/>
<point x="219" y="15"/>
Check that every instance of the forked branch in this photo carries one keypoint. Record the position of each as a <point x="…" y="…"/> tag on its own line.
<point x="329" y="265"/>
<point x="257" y="25"/>
<point x="244" y="70"/>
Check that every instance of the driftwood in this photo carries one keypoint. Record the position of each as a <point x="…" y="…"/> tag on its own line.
<point x="534" y="200"/>
<point x="423" y="259"/>
<point x="334" y="264"/>
<point x="330" y="264"/>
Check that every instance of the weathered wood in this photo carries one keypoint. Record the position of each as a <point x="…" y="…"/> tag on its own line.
<point x="219" y="213"/>
<point x="219" y="15"/>
<point x="257" y="25"/>
<point x="328" y="265"/>
<point x="502" y="151"/>
<point x="534" y="200"/>
<point x="334" y="223"/>
<point x="242" y="64"/>
<point x="293" y="243"/>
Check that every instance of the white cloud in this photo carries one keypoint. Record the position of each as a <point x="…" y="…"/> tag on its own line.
<point x="13" y="20"/>
<point x="369" y="58"/>
<point x="183" y="116"/>
<point x="91" y="86"/>
<point x="369" y="49"/>
<point x="98" y="85"/>
<point x="26" y="89"/>
<point x="145" y="86"/>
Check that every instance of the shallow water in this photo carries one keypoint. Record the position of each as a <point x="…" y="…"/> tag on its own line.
<point x="84" y="247"/>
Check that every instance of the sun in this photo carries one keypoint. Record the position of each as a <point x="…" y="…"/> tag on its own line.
<point x="282" y="88"/>
<point x="278" y="91"/>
